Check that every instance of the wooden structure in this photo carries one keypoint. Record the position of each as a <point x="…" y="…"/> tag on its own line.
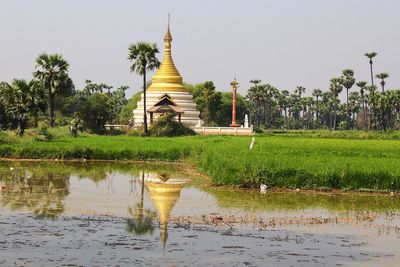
<point x="165" y="105"/>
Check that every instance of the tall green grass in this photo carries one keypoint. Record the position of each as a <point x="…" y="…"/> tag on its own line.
<point x="304" y="163"/>
<point x="290" y="161"/>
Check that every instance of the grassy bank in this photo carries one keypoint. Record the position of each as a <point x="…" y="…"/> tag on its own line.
<point x="279" y="160"/>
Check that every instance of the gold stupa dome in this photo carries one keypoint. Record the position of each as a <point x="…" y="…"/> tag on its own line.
<point x="167" y="78"/>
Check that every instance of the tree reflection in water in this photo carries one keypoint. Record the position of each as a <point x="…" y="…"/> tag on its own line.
<point x="141" y="221"/>
<point x="40" y="192"/>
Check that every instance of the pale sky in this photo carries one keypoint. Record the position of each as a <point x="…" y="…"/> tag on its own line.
<point x="282" y="42"/>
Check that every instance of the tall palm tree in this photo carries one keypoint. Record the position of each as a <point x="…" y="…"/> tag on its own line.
<point x="382" y="76"/>
<point x="354" y="99"/>
<point x="317" y="93"/>
<point x="348" y="81"/>
<point x="362" y="85"/>
<point x="371" y="55"/>
<point x="143" y="58"/>
<point x="372" y="103"/>
<point x="283" y="101"/>
<point x="336" y="87"/>
<point x="21" y="99"/>
<point x="397" y="108"/>
<point x="300" y="90"/>
<point x="52" y="71"/>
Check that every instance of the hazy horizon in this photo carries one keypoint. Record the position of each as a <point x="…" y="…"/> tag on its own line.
<point x="284" y="43"/>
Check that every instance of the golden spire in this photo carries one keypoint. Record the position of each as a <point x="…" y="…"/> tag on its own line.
<point x="167" y="78"/>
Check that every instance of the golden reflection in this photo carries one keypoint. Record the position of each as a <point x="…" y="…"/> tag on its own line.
<point x="164" y="193"/>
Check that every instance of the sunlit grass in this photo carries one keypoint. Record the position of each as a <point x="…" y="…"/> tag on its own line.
<point x="280" y="160"/>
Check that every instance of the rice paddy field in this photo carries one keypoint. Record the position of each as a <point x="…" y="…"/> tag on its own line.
<point x="323" y="161"/>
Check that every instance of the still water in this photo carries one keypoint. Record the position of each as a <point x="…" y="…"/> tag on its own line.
<point x="103" y="214"/>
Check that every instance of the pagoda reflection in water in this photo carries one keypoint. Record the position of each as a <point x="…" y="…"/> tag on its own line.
<point x="164" y="192"/>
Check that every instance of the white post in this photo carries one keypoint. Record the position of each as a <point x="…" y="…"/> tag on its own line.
<point x="246" y="121"/>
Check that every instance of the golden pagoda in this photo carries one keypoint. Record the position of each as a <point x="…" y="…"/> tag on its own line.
<point x="167" y="83"/>
<point x="164" y="193"/>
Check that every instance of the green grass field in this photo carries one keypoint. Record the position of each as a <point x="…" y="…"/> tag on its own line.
<point x="278" y="160"/>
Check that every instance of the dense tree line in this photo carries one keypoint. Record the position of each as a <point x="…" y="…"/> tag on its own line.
<point x="52" y="97"/>
<point x="367" y="107"/>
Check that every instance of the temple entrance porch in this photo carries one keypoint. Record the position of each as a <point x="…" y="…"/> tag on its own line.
<point x="165" y="105"/>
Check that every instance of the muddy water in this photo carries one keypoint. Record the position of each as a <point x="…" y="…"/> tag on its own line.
<point x="161" y="215"/>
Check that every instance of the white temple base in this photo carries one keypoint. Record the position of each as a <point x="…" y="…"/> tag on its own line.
<point x="183" y="100"/>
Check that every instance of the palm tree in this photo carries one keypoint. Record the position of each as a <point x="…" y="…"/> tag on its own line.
<point x="52" y="71"/>
<point x="362" y="85"/>
<point x="300" y="90"/>
<point x="348" y="81"/>
<point x="317" y="93"/>
<point x="354" y="99"/>
<point x="382" y="76"/>
<point x="21" y="99"/>
<point x="143" y="58"/>
<point x="257" y="95"/>
<point x="372" y="103"/>
<point x="336" y="87"/>
<point x="283" y="102"/>
<point x="371" y="55"/>
<point x="396" y="107"/>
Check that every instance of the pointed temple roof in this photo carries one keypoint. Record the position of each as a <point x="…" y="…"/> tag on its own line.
<point x="167" y="78"/>
<point x="165" y="104"/>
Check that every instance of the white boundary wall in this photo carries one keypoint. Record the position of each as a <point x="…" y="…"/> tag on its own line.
<point x="203" y="130"/>
<point x="224" y="130"/>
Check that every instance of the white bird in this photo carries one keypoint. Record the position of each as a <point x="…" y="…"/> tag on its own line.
<point x="253" y="140"/>
<point x="263" y="188"/>
<point x="11" y="168"/>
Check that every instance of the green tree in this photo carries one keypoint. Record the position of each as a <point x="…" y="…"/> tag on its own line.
<point x="348" y="81"/>
<point x="143" y="58"/>
<point x="21" y="99"/>
<point x="52" y="71"/>
<point x="362" y="85"/>
<point x="372" y="102"/>
<point x="353" y="107"/>
<point x="336" y="87"/>
<point x="382" y="76"/>
<point x="317" y="93"/>
<point x="370" y="56"/>
<point x="95" y="110"/>
<point x="283" y="102"/>
<point x="127" y="110"/>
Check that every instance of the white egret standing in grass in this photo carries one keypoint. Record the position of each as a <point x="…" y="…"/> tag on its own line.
<point x="253" y="140"/>
<point x="263" y="188"/>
